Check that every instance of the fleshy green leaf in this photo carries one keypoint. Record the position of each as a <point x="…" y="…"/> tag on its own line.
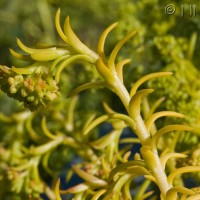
<point x="20" y="56"/>
<point x="169" y="128"/>
<point x="76" y="189"/>
<point x="119" y="68"/>
<point x="76" y="43"/>
<point x="172" y="192"/>
<point x="101" y="42"/>
<point x="111" y="61"/>
<point x="134" y="105"/>
<point x="182" y="170"/>
<point x="104" y="141"/>
<point x="98" y="194"/>
<point x="89" y="177"/>
<point x="150" y="120"/>
<point x="164" y="158"/>
<point x="85" y="87"/>
<point x="68" y="61"/>
<point x="124" y="166"/>
<point x="58" y="27"/>
<point x="57" y="192"/>
<point x="146" y="78"/>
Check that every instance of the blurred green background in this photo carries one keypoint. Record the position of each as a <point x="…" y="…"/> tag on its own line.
<point x="165" y="41"/>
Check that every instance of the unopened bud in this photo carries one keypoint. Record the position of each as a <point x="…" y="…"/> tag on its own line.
<point x="30" y="98"/>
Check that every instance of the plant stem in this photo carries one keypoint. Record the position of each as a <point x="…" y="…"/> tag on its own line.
<point x="153" y="163"/>
<point x="150" y="155"/>
<point x="122" y="92"/>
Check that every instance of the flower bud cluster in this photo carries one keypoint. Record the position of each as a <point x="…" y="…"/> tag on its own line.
<point x="34" y="90"/>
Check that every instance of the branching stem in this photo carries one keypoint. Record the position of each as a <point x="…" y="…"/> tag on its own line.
<point x="149" y="154"/>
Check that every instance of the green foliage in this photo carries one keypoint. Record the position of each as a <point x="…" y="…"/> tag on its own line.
<point x="35" y="146"/>
<point x="34" y="90"/>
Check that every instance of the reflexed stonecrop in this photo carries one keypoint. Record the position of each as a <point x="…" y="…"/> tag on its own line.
<point x="34" y="89"/>
<point x="36" y="85"/>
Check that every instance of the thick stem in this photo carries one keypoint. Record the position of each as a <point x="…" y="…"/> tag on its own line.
<point x="152" y="161"/>
<point x="150" y="156"/>
<point x="122" y="92"/>
<point x="141" y="129"/>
